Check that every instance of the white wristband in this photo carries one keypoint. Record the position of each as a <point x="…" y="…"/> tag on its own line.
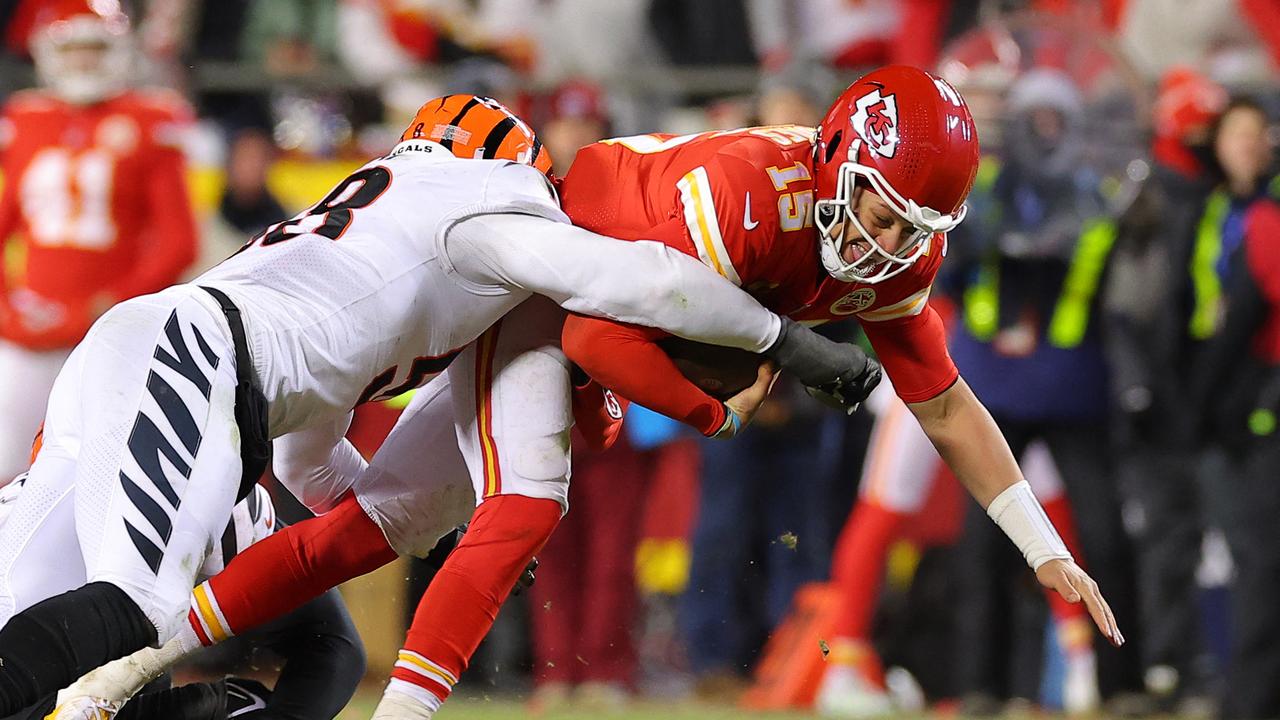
<point x="1020" y="516"/>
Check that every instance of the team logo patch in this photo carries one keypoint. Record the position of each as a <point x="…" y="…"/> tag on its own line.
<point x="612" y="406"/>
<point x="854" y="302"/>
<point x="876" y="122"/>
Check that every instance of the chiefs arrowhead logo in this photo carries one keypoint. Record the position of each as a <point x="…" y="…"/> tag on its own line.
<point x="854" y="302"/>
<point x="876" y="122"/>
<point x="612" y="406"/>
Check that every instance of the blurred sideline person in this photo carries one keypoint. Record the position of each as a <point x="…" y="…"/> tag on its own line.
<point x="1235" y="393"/>
<point x="374" y="292"/>
<point x="578" y="116"/>
<point x="1148" y="308"/>
<point x="95" y="189"/>
<point x="743" y="572"/>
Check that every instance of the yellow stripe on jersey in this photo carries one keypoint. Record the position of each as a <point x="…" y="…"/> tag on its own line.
<point x="488" y="345"/>
<point x="217" y="629"/>
<point x="704" y="225"/>
<point x="913" y="305"/>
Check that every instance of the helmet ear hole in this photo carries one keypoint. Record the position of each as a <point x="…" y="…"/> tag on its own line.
<point x="833" y="146"/>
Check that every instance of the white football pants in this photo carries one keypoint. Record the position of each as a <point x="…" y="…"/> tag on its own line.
<point x="141" y="441"/>
<point x="497" y="422"/>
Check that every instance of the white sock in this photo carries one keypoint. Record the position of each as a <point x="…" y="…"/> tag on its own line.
<point x="406" y="701"/>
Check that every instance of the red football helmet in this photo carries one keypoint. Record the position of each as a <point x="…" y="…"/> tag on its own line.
<point x="908" y="137"/>
<point x="81" y="49"/>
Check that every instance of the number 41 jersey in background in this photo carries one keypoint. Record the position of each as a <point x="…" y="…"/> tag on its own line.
<point x="98" y="194"/>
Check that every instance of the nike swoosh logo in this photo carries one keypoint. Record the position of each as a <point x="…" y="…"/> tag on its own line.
<point x="747" y="222"/>
<point x="243" y="694"/>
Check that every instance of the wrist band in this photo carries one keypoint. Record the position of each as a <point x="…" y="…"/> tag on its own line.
<point x="732" y="424"/>
<point x="1020" y="516"/>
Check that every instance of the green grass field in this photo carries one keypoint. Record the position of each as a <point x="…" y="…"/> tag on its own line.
<point x="508" y="708"/>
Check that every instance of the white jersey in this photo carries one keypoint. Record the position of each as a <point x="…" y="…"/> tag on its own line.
<point x="352" y="301"/>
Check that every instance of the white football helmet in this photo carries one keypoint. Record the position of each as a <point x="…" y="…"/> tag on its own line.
<point x="82" y="50"/>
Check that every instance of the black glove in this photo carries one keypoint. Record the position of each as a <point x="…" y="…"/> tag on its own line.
<point x="848" y="397"/>
<point x="841" y="371"/>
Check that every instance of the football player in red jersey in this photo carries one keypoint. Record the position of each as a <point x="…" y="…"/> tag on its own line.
<point x="95" y="189"/>
<point x="887" y="175"/>
<point x="850" y="223"/>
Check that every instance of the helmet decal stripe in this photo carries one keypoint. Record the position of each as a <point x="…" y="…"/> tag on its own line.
<point x="447" y="142"/>
<point x="497" y="135"/>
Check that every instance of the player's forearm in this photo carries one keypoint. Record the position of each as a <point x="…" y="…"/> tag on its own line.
<point x="971" y="444"/>
<point x="969" y="441"/>
<point x="642" y="283"/>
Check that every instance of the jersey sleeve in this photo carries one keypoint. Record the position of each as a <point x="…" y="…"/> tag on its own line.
<point x="627" y="360"/>
<point x="913" y="351"/>
<point x="908" y="335"/>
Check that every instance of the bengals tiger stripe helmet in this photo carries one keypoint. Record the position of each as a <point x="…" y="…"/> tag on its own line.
<point x="472" y="126"/>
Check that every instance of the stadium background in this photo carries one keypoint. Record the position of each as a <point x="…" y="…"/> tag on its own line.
<point x="293" y="94"/>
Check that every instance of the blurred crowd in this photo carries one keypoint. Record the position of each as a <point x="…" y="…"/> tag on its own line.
<point x="1103" y="298"/>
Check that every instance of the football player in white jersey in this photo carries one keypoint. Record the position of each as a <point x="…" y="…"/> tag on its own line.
<point x="161" y="417"/>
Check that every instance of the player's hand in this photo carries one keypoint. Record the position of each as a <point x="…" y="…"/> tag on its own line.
<point x="848" y="398"/>
<point x="1070" y="581"/>
<point x="841" y="371"/>
<point x="744" y="405"/>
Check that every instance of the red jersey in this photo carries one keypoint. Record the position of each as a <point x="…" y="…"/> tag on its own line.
<point x="1262" y="258"/>
<point x="98" y="196"/>
<point x="742" y="202"/>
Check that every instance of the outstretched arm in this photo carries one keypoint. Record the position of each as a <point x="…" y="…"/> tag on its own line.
<point x="969" y="441"/>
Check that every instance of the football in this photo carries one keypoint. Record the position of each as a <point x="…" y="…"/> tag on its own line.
<point x="721" y="372"/>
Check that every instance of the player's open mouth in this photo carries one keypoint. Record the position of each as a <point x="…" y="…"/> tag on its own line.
<point x="856" y="250"/>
